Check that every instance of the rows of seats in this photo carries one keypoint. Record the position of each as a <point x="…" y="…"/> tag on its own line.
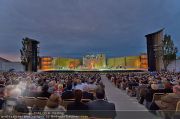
<point x="40" y="102"/>
<point x="68" y="101"/>
<point x="157" y="96"/>
<point x="176" y="115"/>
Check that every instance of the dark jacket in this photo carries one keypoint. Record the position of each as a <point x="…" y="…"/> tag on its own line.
<point x="87" y="95"/>
<point x="77" y="108"/>
<point x="2" y="101"/>
<point x="43" y="94"/>
<point x="67" y="95"/>
<point x="101" y="109"/>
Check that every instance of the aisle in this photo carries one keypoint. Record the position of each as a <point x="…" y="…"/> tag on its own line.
<point x="126" y="106"/>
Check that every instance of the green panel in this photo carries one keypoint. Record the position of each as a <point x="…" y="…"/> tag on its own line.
<point x="133" y="61"/>
<point x="110" y="62"/>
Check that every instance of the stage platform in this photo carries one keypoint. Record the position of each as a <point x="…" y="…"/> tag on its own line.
<point x="100" y="70"/>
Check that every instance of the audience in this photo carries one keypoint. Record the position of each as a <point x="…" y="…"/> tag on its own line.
<point x="146" y="84"/>
<point x="78" y="86"/>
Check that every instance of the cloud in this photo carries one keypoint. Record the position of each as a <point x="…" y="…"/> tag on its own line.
<point x="74" y="27"/>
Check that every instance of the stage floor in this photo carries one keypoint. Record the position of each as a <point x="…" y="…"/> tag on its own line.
<point x="98" y="70"/>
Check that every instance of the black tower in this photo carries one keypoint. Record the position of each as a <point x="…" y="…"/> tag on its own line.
<point x="29" y="54"/>
<point x="155" y="51"/>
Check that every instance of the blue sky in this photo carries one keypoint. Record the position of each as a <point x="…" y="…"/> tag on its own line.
<point x="72" y="28"/>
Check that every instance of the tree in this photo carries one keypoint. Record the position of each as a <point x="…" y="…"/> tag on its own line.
<point x="169" y="50"/>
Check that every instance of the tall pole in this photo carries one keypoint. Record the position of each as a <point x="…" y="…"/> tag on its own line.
<point x="175" y="65"/>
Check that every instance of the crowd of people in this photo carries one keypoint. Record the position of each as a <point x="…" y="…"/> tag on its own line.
<point x="144" y="85"/>
<point x="56" y="87"/>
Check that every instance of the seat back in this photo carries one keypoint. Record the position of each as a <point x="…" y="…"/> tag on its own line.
<point x="85" y="100"/>
<point x="157" y="96"/>
<point x="21" y="98"/>
<point x="178" y="106"/>
<point x="41" y="102"/>
<point x="93" y="92"/>
<point x="103" y="118"/>
<point x="30" y="101"/>
<point x="66" y="102"/>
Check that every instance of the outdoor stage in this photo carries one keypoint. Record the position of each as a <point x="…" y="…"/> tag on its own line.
<point x="98" y="70"/>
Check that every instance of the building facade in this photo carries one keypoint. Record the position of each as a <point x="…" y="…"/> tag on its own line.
<point x="58" y="63"/>
<point x="134" y="62"/>
<point x="6" y="65"/>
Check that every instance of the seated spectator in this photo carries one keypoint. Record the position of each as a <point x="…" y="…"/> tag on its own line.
<point x="77" y="107"/>
<point x="68" y="93"/>
<point x="12" y="103"/>
<point x="86" y="94"/>
<point x="59" y="89"/>
<point x="44" y="92"/>
<point x="79" y="85"/>
<point x="32" y="90"/>
<point x="53" y="104"/>
<point x="160" y="84"/>
<point x="149" y="94"/>
<point x="51" y="88"/>
<point x="169" y="101"/>
<point x="21" y="107"/>
<point x="8" y="89"/>
<point x="168" y="87"/>
<point x="123" y="85"/>
<point x="141" y="92"/>
<point x="92" y="85"/>
<point x="101" y="108"/>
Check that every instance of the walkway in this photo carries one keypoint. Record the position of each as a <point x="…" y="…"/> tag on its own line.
<point x="127" y="107"/>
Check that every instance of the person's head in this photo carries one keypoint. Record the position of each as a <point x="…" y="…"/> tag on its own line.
<point x="78" y="95"/>
<point x="39" y="89"/>
<point x="51" y="84"/>
<point x="53" y="101"/>
<point x="78" y="81"/>
<point x="100" y="93"/>
<point x="167" y="85"/>
<point x="15" y="93"/>
<point x="8" y="89"/>
<point x="176" y="89"/>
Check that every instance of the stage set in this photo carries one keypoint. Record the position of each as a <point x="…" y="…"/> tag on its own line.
<point x="98" y="63"/>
